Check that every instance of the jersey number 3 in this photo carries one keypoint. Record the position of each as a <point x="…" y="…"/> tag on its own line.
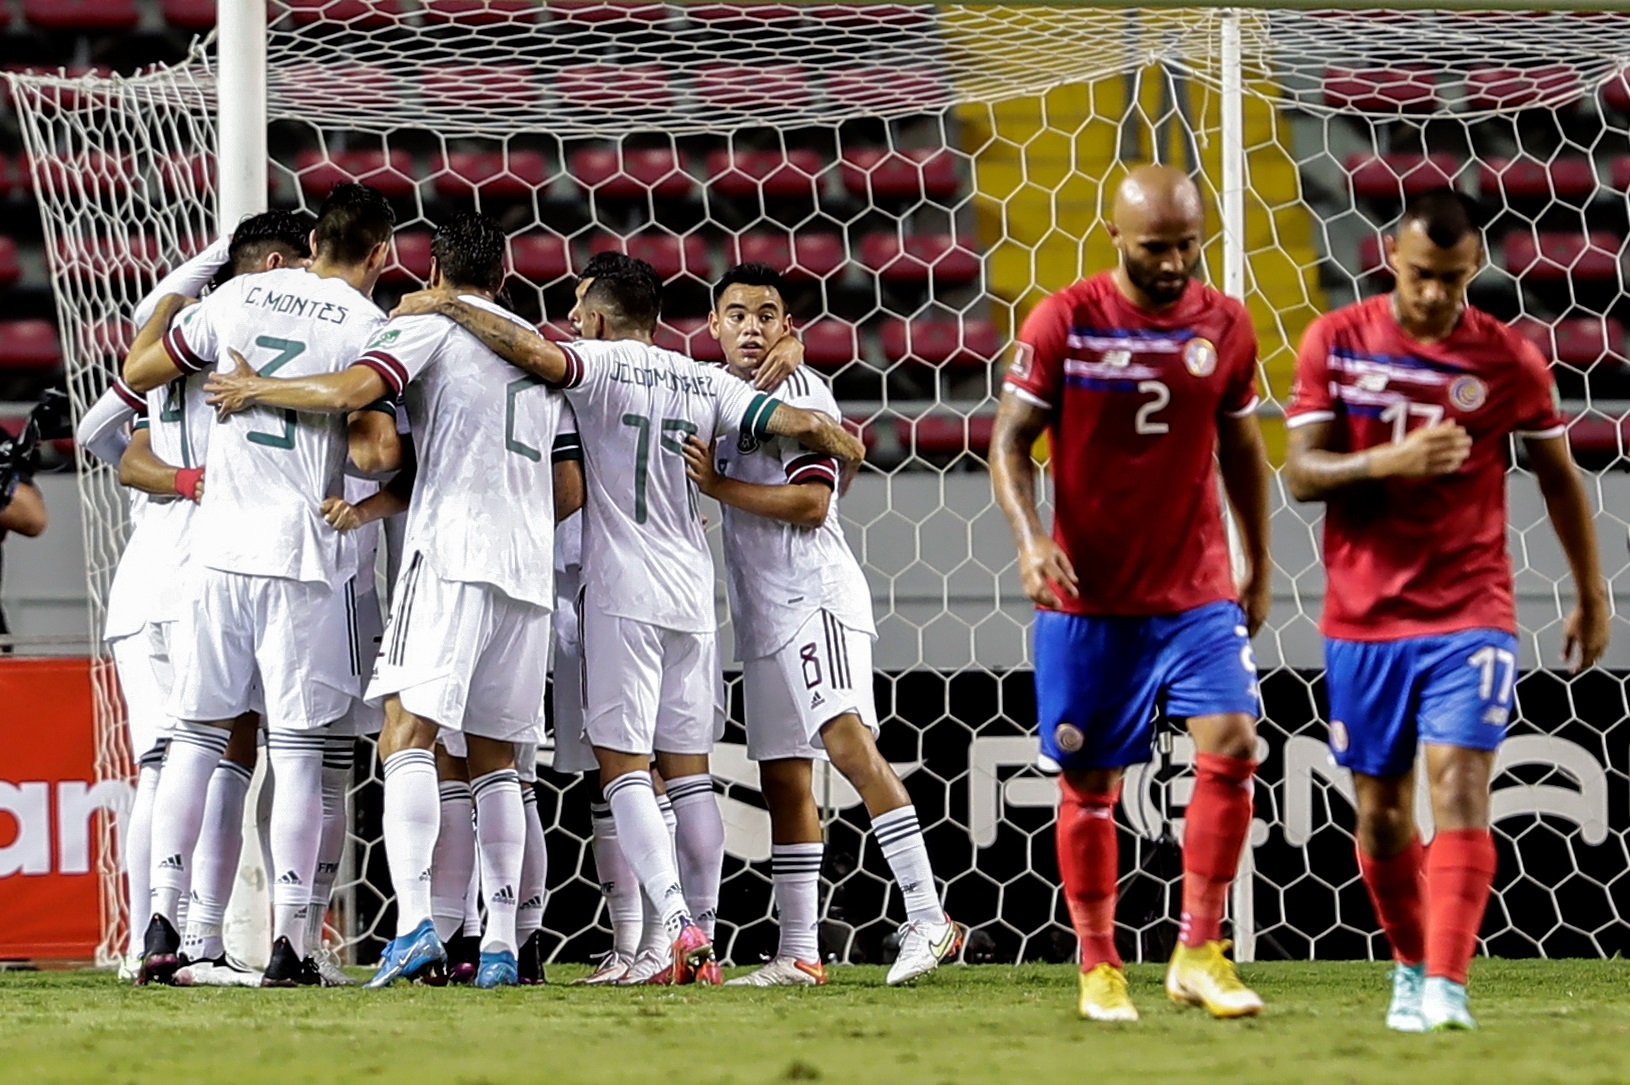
<point x="287" y="351"/>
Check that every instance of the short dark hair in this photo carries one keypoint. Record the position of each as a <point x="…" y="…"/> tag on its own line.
<point x="750" y="274"/>
<point x="1446" y="214"/>
<point x="469" y="249"/>
<point x="630" y="295"/>
<point x="352" y="221"/>
<point x="602" y="263"/>
<point x="259" y="235"/>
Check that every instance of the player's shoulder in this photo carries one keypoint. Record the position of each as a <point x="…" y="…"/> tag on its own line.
<point x="1494" y="339"/>
<point x="1088" y="293"/>
<point x="807" y="389"/>
<point x="1353" y="318"/>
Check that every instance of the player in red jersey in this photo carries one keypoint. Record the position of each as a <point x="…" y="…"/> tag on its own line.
<point x="1146" y="380"/>
<point x="1400" y="421"/>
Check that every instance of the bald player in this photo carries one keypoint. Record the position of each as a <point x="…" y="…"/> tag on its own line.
<point x="1145" y="380"/>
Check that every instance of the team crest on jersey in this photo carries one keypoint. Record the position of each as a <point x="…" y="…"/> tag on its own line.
<point x="1468" y="393"/>
<point x="1068" y="738"/>
<point x="746" y="443"/>
<point x="1024" y="355"/>
<point x="1338" y="736"/>
<point x="1200" y="356"/>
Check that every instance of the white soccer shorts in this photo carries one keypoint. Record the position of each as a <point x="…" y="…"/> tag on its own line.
<point x="293" y="635"/>
<point x="145" y="703"/>
<point x="464" y="656"/>
<point x="822" y="673"/>
<point x="647" y="688"/>
<point x="368" y="631"/>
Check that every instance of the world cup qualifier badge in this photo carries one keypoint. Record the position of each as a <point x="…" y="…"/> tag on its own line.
<point x="1468" y="393"/>
<point x="1200" y="356"/>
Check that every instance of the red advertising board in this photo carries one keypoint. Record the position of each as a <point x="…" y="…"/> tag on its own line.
<point x="52" y="812"/>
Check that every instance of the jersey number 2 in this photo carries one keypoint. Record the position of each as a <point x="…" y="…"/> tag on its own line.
<point x="287" y="351"/>
<point x="1145" y="422"/>
<point x="673" y="433"/>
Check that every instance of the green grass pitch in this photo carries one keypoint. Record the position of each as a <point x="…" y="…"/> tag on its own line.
<point x="1543" y="1021"/>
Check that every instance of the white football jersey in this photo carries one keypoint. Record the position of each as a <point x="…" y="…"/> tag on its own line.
<point x="644" y="555"/>
<point x="179" y="422"/>
<point x="780" y="574"/>
<point x="132" y="594"/>
<point x="487" y="437"/>
<point x="270" y="469"/>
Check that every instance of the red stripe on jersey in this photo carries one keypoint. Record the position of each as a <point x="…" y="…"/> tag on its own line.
<point x="128" y="394"/>
<point x="574" y="367"/>
<point x="184" y="357"/>
<point x="813" y="468"/>
<point x="394" y="372"/>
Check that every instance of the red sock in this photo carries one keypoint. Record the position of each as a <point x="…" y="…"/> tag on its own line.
<point x="1396" y="891"/>
<point x="1215" y="826"/>
<point x="1459" y="875"/>
<point x="1088" y="862"/>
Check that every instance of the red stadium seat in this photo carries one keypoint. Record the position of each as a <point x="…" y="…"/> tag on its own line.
<point x="668" y="255"/>
<point x="923" y="258"/>
<point x="946" y="434"/>
<point x="607" y="11"/>
<point x="1619" y="173"/>
<point x="82" y="16"/>
<point x="541" y="257"/>
<point x="352" y="14"/>
<point x="940" y="341"/>
<point x="778" y="174"/>
<point x="805" y="255"/>
<point x="1576" y="341"/>
<point x="493" y="174"/>
<point x="10" y="270"/>
<point x="1518" y="88"/>
<point x="872" y="17"/>
<point x="873" y="172"/>
<point x="29" y="344"/>
<point x="480" y="12"/>
<point x="110" y="338"/>
<point x="97" y="172"/>
<point x="689" y="336"/>
<point x="830" y="344"/>
<point x="744" y="16"/>
<point x="1563" y="257"/>
<point x="783" y="87"/>
<point x="319" y="85"/>
<point x="890" y="90"/>
<point x="632" y="173"/>
<point x="490" y="87"/>
<point x="1395" y="176"/>
<point x="1382" y="90"/>
<point x="189" y="14"/>
<point x="1616" y="92"/>
<point x="1372" y="258"/>
<point x="113" y="257"/>
<point x="392" y="175"/>
<point x="1528" y="179"/>
<point x="410" y="258"/>
<point x="616" y="88"/>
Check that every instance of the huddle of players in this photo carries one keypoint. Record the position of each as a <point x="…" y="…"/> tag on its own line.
<point x="244" y="607"/>
<point x="1400" y="422"/>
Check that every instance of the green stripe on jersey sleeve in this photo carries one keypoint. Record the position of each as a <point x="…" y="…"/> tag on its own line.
<point x="757" y="419"/>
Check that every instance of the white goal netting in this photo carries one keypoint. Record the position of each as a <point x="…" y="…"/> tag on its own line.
<point x="925" y="174"/>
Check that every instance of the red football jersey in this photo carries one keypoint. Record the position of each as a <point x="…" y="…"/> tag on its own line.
<point x="1411" y="557"/>
<point x="1134" y="399"/>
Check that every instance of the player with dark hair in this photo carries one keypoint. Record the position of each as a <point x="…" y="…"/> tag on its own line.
<point x="1140" y="374"/>
<point x="802" y="615"/>
<point x="1400" y="420"/>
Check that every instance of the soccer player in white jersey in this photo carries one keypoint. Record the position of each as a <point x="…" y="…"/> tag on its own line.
<point x="648" y="623"/>
<point x="467" y="644"/>
<point x="804" y="632"/>
<point x="163" y="493"/>
<point x="267" y="604"/>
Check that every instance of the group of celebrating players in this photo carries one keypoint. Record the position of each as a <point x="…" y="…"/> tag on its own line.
<point x="540" y="500"/>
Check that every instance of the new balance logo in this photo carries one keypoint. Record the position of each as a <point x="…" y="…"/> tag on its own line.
<point x="505" y="895"/>
<point x="172" y="863"/>
<point x="288" y="877"/>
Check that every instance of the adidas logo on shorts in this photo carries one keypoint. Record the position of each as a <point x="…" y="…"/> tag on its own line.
<point x="288" y="877"/>
<point x="172" y="863"/>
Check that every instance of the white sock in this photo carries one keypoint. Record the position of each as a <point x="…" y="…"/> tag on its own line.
<point x="215" y="860"/>
<point x="500" y="832"/>
<point x="411" y="820"/>
<point x="296" y="830"/>
<point x="453" y="859"/>
<point x="698" y="845"/>
<point x="178" y="811"/>
<point x="617" y="882"/>
<point x="901" y="841"/>
<point x="534" y="869"/>
<point x="137" y="848"/>
<point x="471" y="923"/>
<point x="795" y="870"/>
<point x="338" y="753"/>
<point x="649" y="848"/>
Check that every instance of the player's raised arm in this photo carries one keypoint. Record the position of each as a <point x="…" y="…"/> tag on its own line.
<point x="816" y="432"/>
<point x="148" y="363"/>
<point x="519" y="346"/>
<point x="351" y="389"/>
<point x="101" y="429"/>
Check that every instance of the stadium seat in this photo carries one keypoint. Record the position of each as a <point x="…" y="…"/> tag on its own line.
<point x="689" y="336"/>
<point x="830" y="344"/>
<point x="10" y="270"/>
<point x="616" y="88"/>
<point x="892" y="90"/>
<point x="778" y="174"/>
<point x="922" y="258"/>
<point x="392" y="175"/>
<point x="82" y="16"/>
<point x="1382" y="90"/>
<point x="1616" y="92"/>
<point x="319" y="85"/>
<point x="29" y="344"/>
<point x="1394" y="176"/>
<point x="352" y="14"/>
<point x="607" y="11"/>
<point x="782" y="87"/>
<point x="480" y="12"/>
<point x="110" y="338"/>
<point x="803" y="255"/>
<point x="666" y="253"/>
<point x="189" y="14"/>
<point x="410" y="258"/>
<point x="940" y="341"/>
<point x="540" y="257"/>
<point x="113" y="257"/>
<point x="872" y="17"/>
<point x="1619" y="173"/>
<point x="877" y="173"/>
<point x="1576" y="341"/>
<point x="630" y="174"/>
<point x="1372" y="258"/>
<point x="97" y="172"/>
<point x="744" y="16"/>
<point x="946" y="434"/>
<point x="460" y="88"/>
<point x="494" y="175"/>
<point x="1563" y="257"/>
<point x="1518" y="88"/>
<point x="1523" y="179"/>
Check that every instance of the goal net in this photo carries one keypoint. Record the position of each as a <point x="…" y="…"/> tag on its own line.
<point x="925" y="174"/>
